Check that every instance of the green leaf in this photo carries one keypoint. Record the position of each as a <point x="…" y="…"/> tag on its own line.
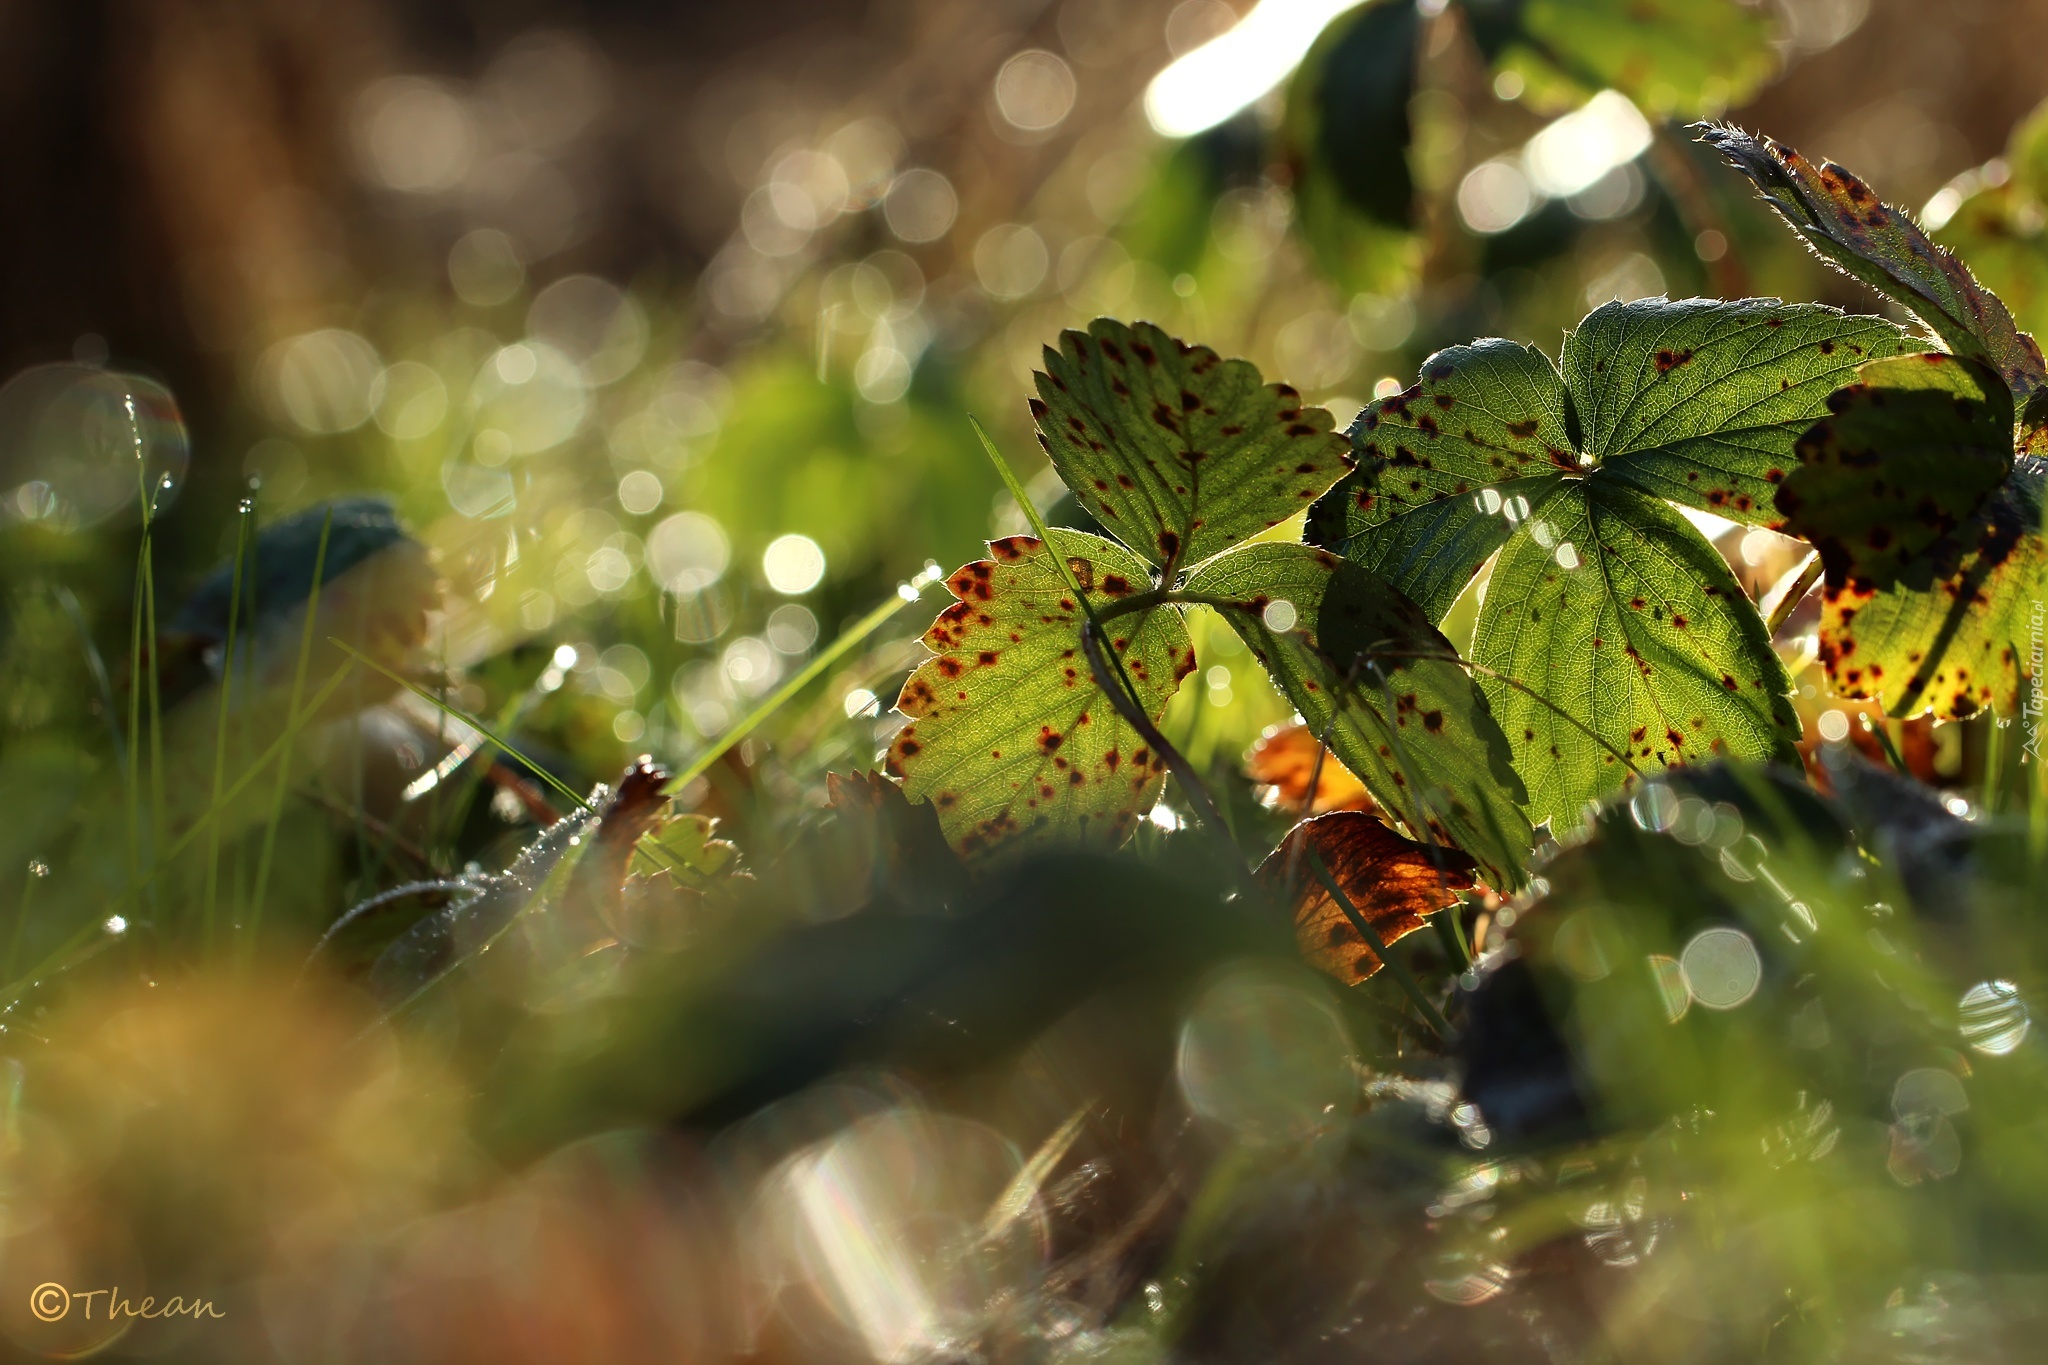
<point x="1564" y="474"/>
<point x="1010" y="737"/>
<point x="1907" y="456"/>
<point x="1702" y="402"/>
<point x="1612" y="606"/>
<point x="1671" y="57"/>
<point x="1846" y="224"/>
<point x="1346" y="136"/>
<point x="1416" y="731"/>
<point x="1180" y="453"/>
<point x="685" y="847"/>
<point x="1960" y="630"/>
<point x="1491" y="415"/>
<point x="1698" y="401"/>
<point x="2001" y="229"/>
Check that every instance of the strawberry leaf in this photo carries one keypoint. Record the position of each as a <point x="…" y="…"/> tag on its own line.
<point x="1010" y="737"/>
<point x="1846" y="224"/>
<point x="1344" y="646"/>
<point x="1394" y="883"/>
<point x="1600" y="583"/>
<point x="1611" y="606"/>
<point x="1179" y="453"/>
<point x="1488" y="417"/>
<point x="1909" y="453"/>
<point x="1958" y="629"/>
<point x="1702" y="402"/>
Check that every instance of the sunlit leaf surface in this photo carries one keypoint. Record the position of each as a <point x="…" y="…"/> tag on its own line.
<point x="1178" y="452"/>
<point x="1606" y="602"/>
<point x="1646" y="640"/>
<point x="1701" y="402"/>
<point x="1843" y="220"/>
<point x="1010" y="736"/>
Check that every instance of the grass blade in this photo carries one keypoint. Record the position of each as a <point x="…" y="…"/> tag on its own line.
<point x="220" y="737"/>
<point x="257" y="903"/>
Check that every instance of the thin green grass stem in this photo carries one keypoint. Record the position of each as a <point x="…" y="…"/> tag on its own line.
<point x="277" y="792"/>
<point x="220" y="736"/>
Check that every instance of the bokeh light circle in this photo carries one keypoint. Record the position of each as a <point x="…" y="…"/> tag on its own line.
<point x="688" y="552"/>
<point x="78" y="445"/>
<point x="1264" y="1055"/>
<point x="793" y="564"/>
<point x="1722" y="968"/>
<point x="1993" y="1018"/>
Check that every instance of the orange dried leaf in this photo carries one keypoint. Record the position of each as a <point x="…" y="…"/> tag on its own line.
<point x="1395" y="883"/>
<point x="1285" y="760"/>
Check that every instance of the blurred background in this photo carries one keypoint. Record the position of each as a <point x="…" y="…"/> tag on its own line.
<point x="656" y="329"/>
<point x="660" y="322"/>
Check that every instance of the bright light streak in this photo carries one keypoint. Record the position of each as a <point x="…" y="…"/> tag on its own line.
<point x="1572" y="152"/>
<point x="1224" y="75"/>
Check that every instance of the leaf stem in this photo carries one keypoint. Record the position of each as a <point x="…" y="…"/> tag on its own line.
<point x="1108" y="668"/>
<point x="1783" y="599"/>
<point x="1877" y="727"/>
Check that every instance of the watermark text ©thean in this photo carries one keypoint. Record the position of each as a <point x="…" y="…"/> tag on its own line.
<point x="52" y="1302"/>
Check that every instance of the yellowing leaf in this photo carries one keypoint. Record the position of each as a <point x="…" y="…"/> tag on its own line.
<point x="1291" y="757"/>
<point x="1010" y="736"/>
<point x="1957" y="632"/>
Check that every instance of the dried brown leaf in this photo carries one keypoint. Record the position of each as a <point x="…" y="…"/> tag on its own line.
<point x="1395" y="883"/>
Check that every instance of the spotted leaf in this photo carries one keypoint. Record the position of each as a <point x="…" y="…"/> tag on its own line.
<point x="1702" y="402"/>
<point x="1845" y="223"/>
<point x="1009" y="736"/>
<point x="1615" y="611"/>
<point x="1565" y="474"/>
<point x="1906" y="456"/>
<point x="1960" y="628"/>
<point x="1443" y="466"/>
<point x="1178" y="453"/>
<point x="1394" y="884"/>
<point x="1343" y="646"/>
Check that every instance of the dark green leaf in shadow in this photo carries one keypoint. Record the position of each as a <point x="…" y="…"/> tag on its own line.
<point x="1346" y="140"/>
<point x="1906" y="456"/>
<point x="1957" y="632"/>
